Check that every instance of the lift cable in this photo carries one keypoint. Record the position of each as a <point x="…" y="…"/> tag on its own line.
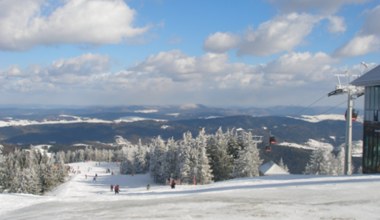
<point x="313" y="103"/>
<point x="332" y="108"/>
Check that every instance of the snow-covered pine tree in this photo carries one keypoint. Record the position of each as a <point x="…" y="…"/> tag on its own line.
<point x="185" y="166"/>
<point x="283" y="165"/>
<point x="80" y="156"/>
<point x="187" y="159"/>
<point x="139" y="160"/>
<point x="158" y="164"/>
<point x="46" y="173"/>
<point x="60" y="157"/>
<point x="338" y="163"/>
<point x="98" y="154"/>
<point x="204" y="172"/>
<point x="2" y="168"/>
<point x="220" y="161"/>
<point x="10" y="170"/>
<point x="172" y="159"/>
<point x="26" y="181"/>
<point x="233" y="143"/>
<point x="248" y="162"/>
<point x="88" y="154"/>
<point x="60" y="167"/>
<point x="107" y="155"/>
<point x="319" y="163"/>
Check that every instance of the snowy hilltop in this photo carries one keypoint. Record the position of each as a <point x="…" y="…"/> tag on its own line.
<point x="274" y="197"/>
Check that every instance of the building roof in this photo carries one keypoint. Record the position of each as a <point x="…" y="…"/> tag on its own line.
<point x="272" y="168"/>
<point x="370" y="78"/>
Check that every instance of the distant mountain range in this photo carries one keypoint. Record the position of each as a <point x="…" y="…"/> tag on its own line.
<point x="296" y="129"/>
<point x="100" y="124"/>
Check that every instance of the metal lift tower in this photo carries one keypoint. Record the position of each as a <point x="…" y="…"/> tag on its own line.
<point x="352" y="92"/>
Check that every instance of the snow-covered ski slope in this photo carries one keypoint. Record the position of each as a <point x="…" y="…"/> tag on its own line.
<point x="275" y="197"/>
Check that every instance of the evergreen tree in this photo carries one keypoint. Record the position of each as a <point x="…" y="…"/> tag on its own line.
<point x="248" y="162"/>
<point x="81" y="156"/>
<point x="339" y="161"/>
<point x="220" y="161"/>
<point x="204" y="172"/>
<point x="158" y="163"/>
<point x="283" y="165"/>
<point x="319" y="163"/>
<point x="184" y="163"/>
<point x="233" y="143"/>
<point x="139" y="160"/>
<point x="2" y="168"/>
<point x="172" y="159"/>
<point x="26" y="181"/>
<point x="30" y="171"/>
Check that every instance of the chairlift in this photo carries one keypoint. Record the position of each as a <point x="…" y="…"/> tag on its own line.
<point x="272" y="140"/>
<point x="268" y="149"/>
<point x="354" y="115"/>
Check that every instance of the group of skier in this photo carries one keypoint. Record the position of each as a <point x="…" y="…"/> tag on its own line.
<point x="115" y="189"/>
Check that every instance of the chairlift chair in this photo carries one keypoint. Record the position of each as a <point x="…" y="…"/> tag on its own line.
<point x="355" y="114"/>
<point x="268" y="149"/>
<point x="272" y="140"/>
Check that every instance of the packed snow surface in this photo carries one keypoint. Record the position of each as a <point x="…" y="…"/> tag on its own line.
<point x="274" y="197"/>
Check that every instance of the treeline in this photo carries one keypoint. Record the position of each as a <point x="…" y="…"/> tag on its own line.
<point x="205" y="158"/>
<point x="324" y="161"/>
<point x="201" y="159"/>
<point x="30" y="171"/>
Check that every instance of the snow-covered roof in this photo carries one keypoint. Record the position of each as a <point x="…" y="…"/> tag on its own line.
<point x="371" y="78"/>
<point x="271" y="168"/>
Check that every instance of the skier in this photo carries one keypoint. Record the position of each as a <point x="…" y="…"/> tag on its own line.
<point x="117" y="189"/>
<point x="172" y="184"/>
<point x="148" y="187"/>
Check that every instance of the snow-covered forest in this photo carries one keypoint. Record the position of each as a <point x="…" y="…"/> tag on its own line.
<point x="30" y="171"/>
<point x="191" y="160"/>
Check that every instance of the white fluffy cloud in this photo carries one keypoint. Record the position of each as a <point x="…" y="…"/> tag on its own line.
<point x="87" y="64"/>
<point x="24" y="24"/>
<point x="171" y="77"/>
<point x="79" y="71"/>
<point x="367" y="40"/>
<point x="360" y="45"/>
<point x="283" y="33"/>
<point x="180" y="67"/>
<point x="217" y="72"/>
<point x="320" y="6"/>
<point x="296" y="69"/>
<point x="337" y="24"/>
<point x="221" y="42"/>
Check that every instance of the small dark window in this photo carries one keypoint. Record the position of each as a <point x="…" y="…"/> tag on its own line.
<point x="376" y="115"/>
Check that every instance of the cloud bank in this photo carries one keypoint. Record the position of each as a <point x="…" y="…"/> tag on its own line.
<point x="367" y="40"/>
<point x="26" y="24"/>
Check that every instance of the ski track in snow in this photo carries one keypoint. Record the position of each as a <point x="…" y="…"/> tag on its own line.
<point x="272" y="197"/>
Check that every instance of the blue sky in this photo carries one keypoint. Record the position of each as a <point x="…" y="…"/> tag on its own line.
<point x="215" y="52"/>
